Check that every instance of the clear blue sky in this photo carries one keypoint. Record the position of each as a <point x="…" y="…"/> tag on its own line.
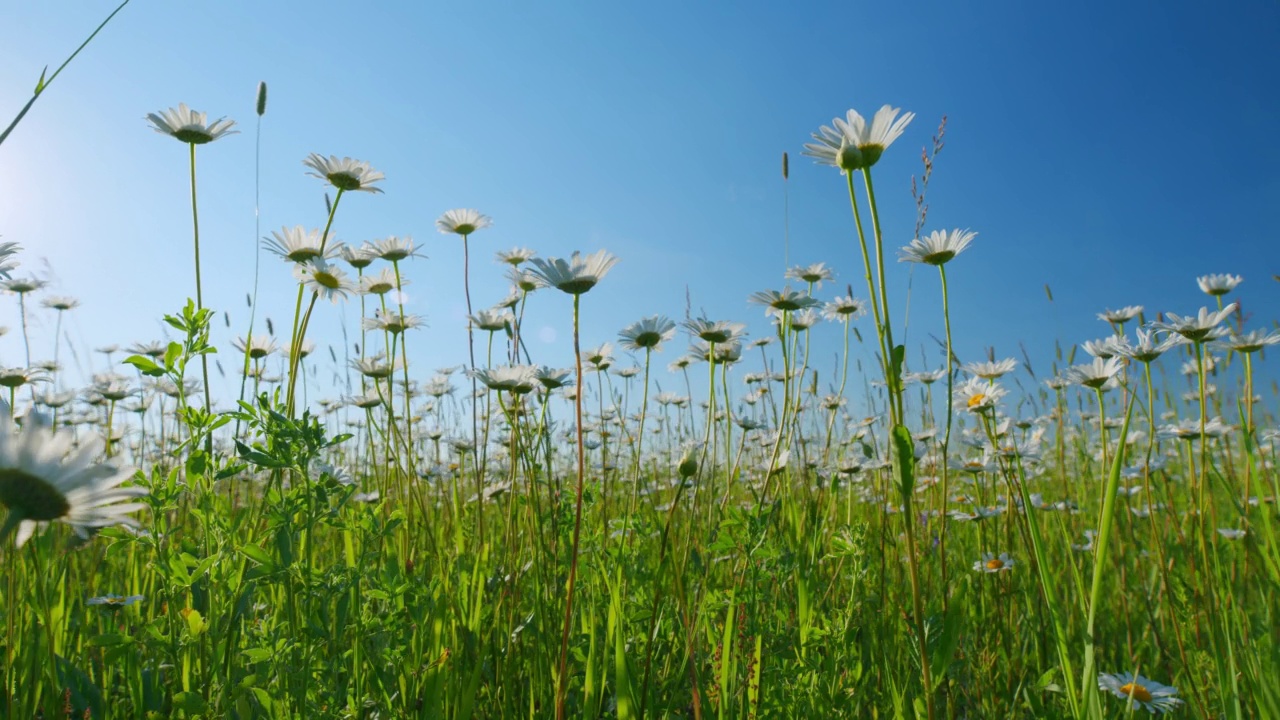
<point x="1114" y="151"/>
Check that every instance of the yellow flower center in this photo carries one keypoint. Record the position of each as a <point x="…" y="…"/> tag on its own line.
<point x="327" y="280"/>
<point x="976" y="400"/>
<point x="995" y="564"/>
<point x="1136" y="691"/>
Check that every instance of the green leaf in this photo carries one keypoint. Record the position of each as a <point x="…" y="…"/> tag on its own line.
<point x="40" y="85"/>
<point x="263" y="697"/>
<point x="109" y="640"/>
<point x="195" y="621"/>
<point x="904" y="460"/>
<point x="190" y="702"/>
<point x="197" y="464"/>
<point x="229" y="471"/>
<point x="259" y="654"/>
<point x="898" y="354"/>
<point x="145" y="365"/>
<point x="257" y="457"/>
<point x="171" y="355"/>
<point x="180" y="572"/>
<point x="260" y="556"/>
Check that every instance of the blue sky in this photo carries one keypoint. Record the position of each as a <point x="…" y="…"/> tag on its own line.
<point x="1113" y="151"/>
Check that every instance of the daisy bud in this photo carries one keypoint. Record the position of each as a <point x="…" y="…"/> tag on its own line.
<point x="688" y="464"/>
<point x="262" y="99"/>
<point x="849" y="157"/>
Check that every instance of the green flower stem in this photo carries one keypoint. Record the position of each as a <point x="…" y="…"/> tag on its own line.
<point x="946" y="439"/>
<point x="644" y="411"/>
<point x="257" y="257"/>
<point x="844" y="380"/>
<point x="885" y="357"/>
<point x="891" y="378"/>
<point x="728" y="433"/>
<point x="300" y="322"/>
<point x="471" y="355"/>
<point x="1088" y="678"/>
<point x="784" y="326"/>
<point x="195" y="229"/>
<point x="404" y="362"/>
<point x="562" y="679"/>
<point x="1249" y="440"/>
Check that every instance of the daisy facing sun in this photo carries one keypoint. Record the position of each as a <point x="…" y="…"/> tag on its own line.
<point x="45" y="477"/>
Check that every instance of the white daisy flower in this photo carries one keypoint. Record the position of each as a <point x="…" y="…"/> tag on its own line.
<point x="648" y="333"/>
<point x="45" y="476"/>
<point x="715" y="331"/>
<point x="462" y="221"/>
<point x="813" y="274"/>
<point x="518" y="379"/>
<point x="492" y="319"/>
<point x="257" y="346"/>
<point x="60" y="302"/>
<point x="1121" y="316"/>
<point x="576" y="275"/>
<point x="114" y="602"/>
<point x="380" y="284"/>
<point x="1099" y="374"/>
<point x="990" y="370"/>
<point x="976" y="395"/>
<point x="300" y="245"/>
<point x="992" y="564"/>
<point x="1148" y="348"/>
<point x="937" y="248"/>
<point x="786" y="300"/>
<point x="515" y="256"/>
<point x="344" y="173"/>
<point x="393" y="249"/>
<point x="851" y="143"/>
<point x="7" y="263"/>
<point x="1203" y="327"/>
<point x="189" y="126"/>
<point x="1144" y="693"/>
<point x="844" y="308"/>
<point x="1253" y="341"/>
<point x="1218" y="284"/>
<point x="327" y="281"/>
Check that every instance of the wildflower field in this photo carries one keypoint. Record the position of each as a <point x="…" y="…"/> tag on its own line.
<point x="680" y="521"/>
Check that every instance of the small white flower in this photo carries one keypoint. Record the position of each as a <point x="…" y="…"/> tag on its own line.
<point x="189" y="126"/>
<point x="344" y="173"/>
<point x="462" y="221"/>
<point x="991" y="564"/>
<point x="1099" y="374"/>
<point x="851" y="143"/>
<point x="990" y="370"/>
<point x="1146" y="694"/>
<point x="327" y="281"/>
<point x="1203" y="327"/>
<point x="576" y="275"/>
<point x="648" y="333"/>
<point x="1121" y="316"/>
<point x="1218" y="284"/>
<point x="937" y="248"/>
<point x="976" y="395"/>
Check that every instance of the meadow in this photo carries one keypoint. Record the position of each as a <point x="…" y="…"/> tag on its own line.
<point x="549" y="535"/>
